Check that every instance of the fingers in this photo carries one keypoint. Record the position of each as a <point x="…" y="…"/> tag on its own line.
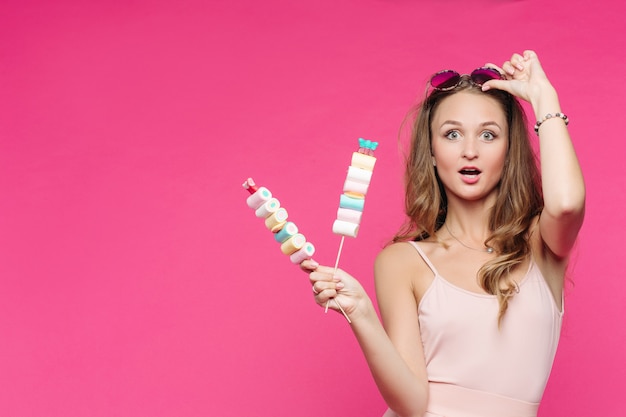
<point x="495" y="67"/>
<point x="516" y="63"/>
<point x="530" y="54"/>
<point x="325" y="284"/>
<point x="496" y="84"/>
<point x="519" y="62"/>
<point x="324" y="274"/>
<point x="322" y="277"/>
<point x="309" y="265"/>
<point x="324" y="290"/>
<point x="516" y="68"/>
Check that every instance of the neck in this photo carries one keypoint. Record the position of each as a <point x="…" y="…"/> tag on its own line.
<point x="468" y="221"/>
<point x="480" y="248"/>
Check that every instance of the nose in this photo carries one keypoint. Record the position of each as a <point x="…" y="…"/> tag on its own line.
<point x="470" y="150"/>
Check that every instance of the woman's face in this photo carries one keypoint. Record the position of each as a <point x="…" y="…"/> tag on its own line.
<point x="469" y="145"/>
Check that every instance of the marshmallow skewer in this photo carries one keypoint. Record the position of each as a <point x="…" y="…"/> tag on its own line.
<point x="292" y="243"/>
<point x="352" y="201"/>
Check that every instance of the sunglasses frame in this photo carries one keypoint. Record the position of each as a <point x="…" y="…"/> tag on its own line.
<point x="473" y="76"/>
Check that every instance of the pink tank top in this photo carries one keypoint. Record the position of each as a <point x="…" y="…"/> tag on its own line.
<point x="463" y="345"/>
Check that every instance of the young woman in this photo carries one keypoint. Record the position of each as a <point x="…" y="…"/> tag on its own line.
<point x="470" y="292"/>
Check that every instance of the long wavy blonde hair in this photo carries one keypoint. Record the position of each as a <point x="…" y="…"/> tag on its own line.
<point x="518" y="200"/>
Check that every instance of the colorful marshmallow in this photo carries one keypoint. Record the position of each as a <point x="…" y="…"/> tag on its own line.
<point x="292" y="243"/>
<point x="306" y="252"/>
<point x="352" y="201"/>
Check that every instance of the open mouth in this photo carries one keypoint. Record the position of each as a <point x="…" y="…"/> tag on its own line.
<point x="470" y="172"/>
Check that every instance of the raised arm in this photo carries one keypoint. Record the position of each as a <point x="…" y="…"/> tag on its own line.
<point x="562" y="180"/>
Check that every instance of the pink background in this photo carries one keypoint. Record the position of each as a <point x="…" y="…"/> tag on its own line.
<point x="135" y="281"/>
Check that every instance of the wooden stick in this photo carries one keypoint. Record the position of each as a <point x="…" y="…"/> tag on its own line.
<point x="343" y="312"/>
<point x="343" y="238"/>
<point x="339" y="254"/>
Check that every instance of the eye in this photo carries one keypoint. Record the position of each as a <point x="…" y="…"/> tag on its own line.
<point x="453" y="134"/>
<point x="487" y="136"/>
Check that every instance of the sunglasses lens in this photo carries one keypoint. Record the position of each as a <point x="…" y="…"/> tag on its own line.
<point x="445" y="79"/>
<point x="482" y="75"/>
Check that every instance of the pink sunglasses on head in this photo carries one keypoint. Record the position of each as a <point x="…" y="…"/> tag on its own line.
<point x="448" y="79"/>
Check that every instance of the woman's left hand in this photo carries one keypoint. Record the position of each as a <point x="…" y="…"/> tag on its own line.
<point x="524" y="77"/>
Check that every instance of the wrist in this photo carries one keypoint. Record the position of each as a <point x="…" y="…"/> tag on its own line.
<point x="364" y="311"/>
<point x="549" y="116"/>
<point x="544" y="99"/>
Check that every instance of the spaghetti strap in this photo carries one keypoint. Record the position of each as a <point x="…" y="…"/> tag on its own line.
<point x="424" y="257"/>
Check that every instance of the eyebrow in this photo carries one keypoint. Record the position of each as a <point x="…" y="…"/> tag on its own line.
<point x="457" y="123"/>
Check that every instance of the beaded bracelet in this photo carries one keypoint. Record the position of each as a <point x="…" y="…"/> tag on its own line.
<point x="550" y="116"/>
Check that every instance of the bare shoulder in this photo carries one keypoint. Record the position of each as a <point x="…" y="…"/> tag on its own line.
<point x="400" y="267"/>
<point x="397" y="261"/>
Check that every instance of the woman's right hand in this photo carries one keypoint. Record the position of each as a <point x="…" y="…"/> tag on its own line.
<point x="337" y="288"/>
